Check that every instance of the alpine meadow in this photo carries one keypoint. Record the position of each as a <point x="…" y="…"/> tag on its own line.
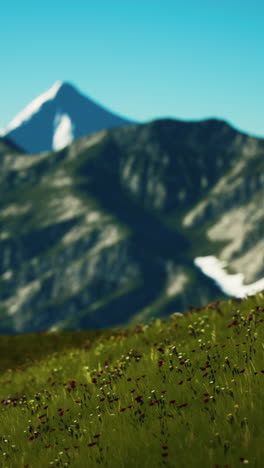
<point x="185" y="391"/>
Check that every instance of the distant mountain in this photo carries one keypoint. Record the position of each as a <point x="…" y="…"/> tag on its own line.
<point x="108" y="230"/>
<point x="57" y="117"/>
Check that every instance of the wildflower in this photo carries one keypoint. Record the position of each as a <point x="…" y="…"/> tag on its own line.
<point x="139" y="398"/>
<point x="91" y="444"/>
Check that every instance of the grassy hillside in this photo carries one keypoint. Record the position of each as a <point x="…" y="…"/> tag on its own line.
<point x="180" y="392"/>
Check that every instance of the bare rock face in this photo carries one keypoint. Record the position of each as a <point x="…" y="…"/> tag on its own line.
<point x="233" y="212"/>
<point x="104" y="232"/>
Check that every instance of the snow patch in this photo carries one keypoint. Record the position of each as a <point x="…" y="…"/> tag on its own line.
<point x="63" y="131"/>
<point x="32" y="108"/>
<point x="232" y="285"/>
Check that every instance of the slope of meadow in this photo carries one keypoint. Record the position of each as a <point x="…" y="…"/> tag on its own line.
<point x="185" y="391"/>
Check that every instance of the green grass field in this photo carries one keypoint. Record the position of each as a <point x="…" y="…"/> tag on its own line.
<point x="182" y="392"/>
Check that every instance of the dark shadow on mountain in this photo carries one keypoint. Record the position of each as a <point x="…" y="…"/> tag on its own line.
<point x="151" y="243"/>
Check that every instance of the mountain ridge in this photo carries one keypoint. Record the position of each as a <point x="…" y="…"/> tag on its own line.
<point x="93" y="235"/>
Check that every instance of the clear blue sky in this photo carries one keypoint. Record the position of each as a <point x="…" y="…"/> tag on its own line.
<point x="144" y="59"/>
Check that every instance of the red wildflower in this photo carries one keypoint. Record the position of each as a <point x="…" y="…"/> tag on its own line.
<point x="139" y="398"/>
<point x="91" y="444"/>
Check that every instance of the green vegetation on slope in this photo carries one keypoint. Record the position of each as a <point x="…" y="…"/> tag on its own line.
<point x="185" y="392"/>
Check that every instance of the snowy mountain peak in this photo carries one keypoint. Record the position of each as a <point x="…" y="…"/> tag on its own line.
<point x="58" y="116"/>
<point x="32" y="108"/>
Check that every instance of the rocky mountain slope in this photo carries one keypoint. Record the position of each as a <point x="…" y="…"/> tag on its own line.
<point x="57" y="117"/>
<point x="105" y="231"/>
